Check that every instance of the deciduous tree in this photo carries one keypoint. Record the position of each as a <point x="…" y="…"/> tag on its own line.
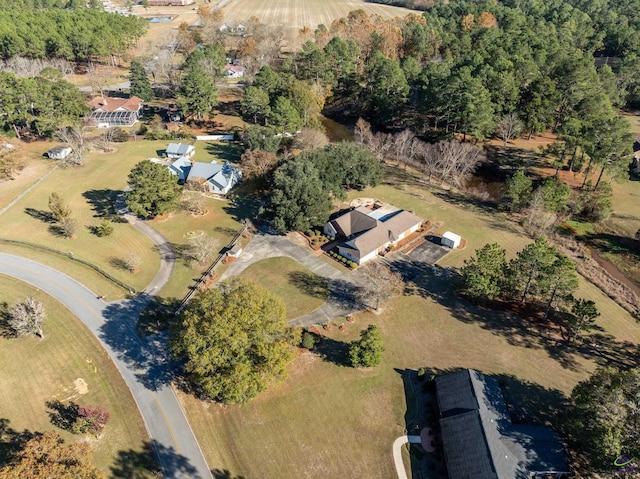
<point x="605" y="408"/>
<point x="257" y="163"/>
<point x="234" y="339"/>
<point x="46" y="455"/>
<point x="299" y="200"/>
<point x="367" y="351"/>
<point x="379" y="283"/>
<point x="90" y="420"/>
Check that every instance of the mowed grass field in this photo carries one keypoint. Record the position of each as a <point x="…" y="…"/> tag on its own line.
<point x="328" y="420"/>
<point x="90" y="191"/>
<point x="292" y="15"/>
<point x="301" y="290"/>
<point x="35" y="166"/>
<point x="67" y="365"/>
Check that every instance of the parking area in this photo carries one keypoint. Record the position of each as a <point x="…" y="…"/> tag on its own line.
<point x="429" y="252"/>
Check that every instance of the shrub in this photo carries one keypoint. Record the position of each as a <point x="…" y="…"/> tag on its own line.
<point x="309" y="233"/>
<point x="353" y="264"/>
<point x="120" y="136"/>
<point x="316" y="233"/>
<point x="309" y="340"/>
<point x="421" y="374"/>
<point x="104" y="229"/>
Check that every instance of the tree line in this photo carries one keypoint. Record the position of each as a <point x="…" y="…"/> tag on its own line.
<point x="74" y="34"/>
<point x="539" y="276"/>
<point x="38" y="106"/>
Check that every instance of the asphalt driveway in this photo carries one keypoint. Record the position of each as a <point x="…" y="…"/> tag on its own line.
<point x="429" y="252"/>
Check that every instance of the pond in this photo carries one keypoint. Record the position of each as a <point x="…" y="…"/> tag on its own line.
<point x="159" y="19"/>
<point x="336" y="131"/>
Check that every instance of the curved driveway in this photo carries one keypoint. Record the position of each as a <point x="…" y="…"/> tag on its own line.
<point x="143" y="363"/>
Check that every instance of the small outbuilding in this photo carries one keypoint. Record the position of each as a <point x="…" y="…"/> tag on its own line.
<point x="450" y="240"/>
<point x="235" y="251"/>
<point x="59" y="152"/>
<point x="178" y="150"/>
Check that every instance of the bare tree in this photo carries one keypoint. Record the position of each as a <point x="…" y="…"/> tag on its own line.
<point x="379" y="284"/>
<point x="11" y="161"/>
<point x="538" y="221"/>
<point x="202" y="247"/>
<point x="509" y="127"/>
<point x="362" y="132"/>
<point x="193" y="203"/>
<point x="133" y="261"/>
<point x="75" y="137"/>
<point x="98" y="77"/>
<point x="106" y="139"/>
<point x="401" y="146"/>
<point x="69" y="227"/>
<point x="454" y="162"/>
<point x="27" y="317"/>
<point x="257" y="163"/>
<point x="310" y="139"/>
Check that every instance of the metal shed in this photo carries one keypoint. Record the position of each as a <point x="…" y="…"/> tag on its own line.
<point x="450" y="240"/>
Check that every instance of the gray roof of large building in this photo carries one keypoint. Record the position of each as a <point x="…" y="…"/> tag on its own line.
<point x="384" y="232"/>
<point x="478" y="437"/>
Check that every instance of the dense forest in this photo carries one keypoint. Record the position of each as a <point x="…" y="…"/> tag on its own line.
<point x="42" y="30"/>
<point x="617" y="22"/>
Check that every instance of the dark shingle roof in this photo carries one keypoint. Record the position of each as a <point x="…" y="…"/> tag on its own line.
<point x="478" y="437"/>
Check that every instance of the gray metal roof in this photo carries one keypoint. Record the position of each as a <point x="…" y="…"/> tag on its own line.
<point x="178" y="149"/>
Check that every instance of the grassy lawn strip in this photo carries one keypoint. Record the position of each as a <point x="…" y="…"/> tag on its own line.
<point x="301" y="290"/>
<point x="36" y="371"/>
<point x="90" y="190"/>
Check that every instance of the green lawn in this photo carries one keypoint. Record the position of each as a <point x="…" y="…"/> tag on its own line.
<point x="301" y="290"/>
<point x="90" y="190"/>
<point x="36" y="371"/>
<point x="35" y="166"/>
<point x="218" y="223"/>
<point x="328" y="420"/>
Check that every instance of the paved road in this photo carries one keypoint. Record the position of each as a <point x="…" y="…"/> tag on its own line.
<point x="164" y="247"/>
<point x="143" y="363"/>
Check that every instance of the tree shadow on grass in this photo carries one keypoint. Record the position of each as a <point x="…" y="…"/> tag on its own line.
<point x="5" y="330"/>
<point x="310" y="284"/>
<point x="243" y="206"/>
<point x="41" y="215"/>
<point x="224" y="474"/>
<point x="334" y="351"/>
<point x="440" y="284"/>
<point x="136" y="464"/>
<point x="62" y="415"/>
<point x="103" y="204"/>
<point x="118" y="263"/>
<point x="228" y="151"/>
<point x="11" y="441"/>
